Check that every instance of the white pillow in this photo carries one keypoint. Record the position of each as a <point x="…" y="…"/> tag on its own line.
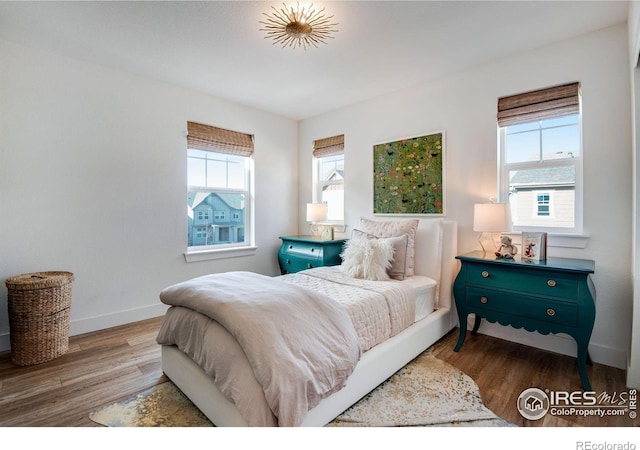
<point x="367" y="258"/>
<point x="394" y="228"/>
<point x="398" y="265"/>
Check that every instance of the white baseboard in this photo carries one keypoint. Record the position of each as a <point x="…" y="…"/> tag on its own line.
<point x="558" y="343"/>
<point x="89" y="324"/>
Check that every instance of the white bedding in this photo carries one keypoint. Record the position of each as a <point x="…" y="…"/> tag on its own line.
<point x="433" y="313"/>
<point x="378" y="310"/>
<point x="311" y="337"/>
<point x="425" y="288"/>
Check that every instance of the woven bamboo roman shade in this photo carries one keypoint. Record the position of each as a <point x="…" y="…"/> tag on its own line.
<point x="539" y="105"/>
<point x="212" y="139"/>
<point x="328" y="146"/>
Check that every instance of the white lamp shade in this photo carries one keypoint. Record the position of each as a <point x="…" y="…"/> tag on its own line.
<point x="316" y="212"/>
<point x="491" y="217"/>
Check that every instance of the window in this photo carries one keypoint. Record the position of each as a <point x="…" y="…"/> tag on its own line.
<point x="329" y="162"/>
<point x="543" y="204"/>
<point x="219" y="174"/>
<point x="541" y="158"/>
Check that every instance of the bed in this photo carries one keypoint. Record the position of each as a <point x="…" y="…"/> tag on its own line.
<point x="429" y="305"/>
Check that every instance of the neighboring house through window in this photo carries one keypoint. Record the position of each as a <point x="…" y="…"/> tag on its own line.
<point x="540" y="158"/>
<point x="219" y="197"/>
<point x="329" y="169"/>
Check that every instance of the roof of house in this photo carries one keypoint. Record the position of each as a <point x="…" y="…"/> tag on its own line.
<point x="234" y="201"/>
<point x="551" y="176"/>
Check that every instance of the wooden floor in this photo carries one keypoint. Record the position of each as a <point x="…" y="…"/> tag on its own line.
<point x="503" y="369"/>
<point x="111" y="365"/>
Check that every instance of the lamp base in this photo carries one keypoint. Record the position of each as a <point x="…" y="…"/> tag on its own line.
<point x="315" y="230"/>
<point x="488" y="242"/>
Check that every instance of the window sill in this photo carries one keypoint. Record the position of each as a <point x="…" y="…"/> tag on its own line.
<point x="224" y="253"/>
<point x="563" y="240"/>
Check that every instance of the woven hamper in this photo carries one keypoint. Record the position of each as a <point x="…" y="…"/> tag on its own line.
<point x="39" y="311"/>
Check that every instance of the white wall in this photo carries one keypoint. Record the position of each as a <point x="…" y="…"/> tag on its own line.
<point x="464" y="105"/>
<point x="93" y="181"/>
<point x="633" y="370"/>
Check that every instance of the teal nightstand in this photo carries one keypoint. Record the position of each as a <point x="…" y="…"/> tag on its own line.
<point x="552" y="296"/>
<point x="305" y="252"/>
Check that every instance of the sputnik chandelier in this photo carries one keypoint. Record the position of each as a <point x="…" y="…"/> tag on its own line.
<point x="298" y="27"/>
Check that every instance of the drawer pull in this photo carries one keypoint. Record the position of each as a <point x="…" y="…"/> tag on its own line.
<point x="484" y="299"/>
<point x="312" y="249"/>
<point x="288" y="261"/>
<point x="309" y="266"/>
<point x="485" y="274"/>
<point x="290" y="247"/>
<point x="551" y="283"/>
<point x="551" y="312"/>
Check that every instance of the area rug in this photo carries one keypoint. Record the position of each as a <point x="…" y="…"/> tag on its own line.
<point x="163" y="405"/>
<point x="426" y="392"/>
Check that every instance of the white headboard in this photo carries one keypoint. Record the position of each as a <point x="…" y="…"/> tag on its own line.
<point x="436" y="247"/>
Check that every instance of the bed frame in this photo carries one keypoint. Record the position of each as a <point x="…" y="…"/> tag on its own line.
<point x="375" y="365"/>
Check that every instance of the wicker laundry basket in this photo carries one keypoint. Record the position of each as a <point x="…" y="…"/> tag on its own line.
<point x="39" y="311"/>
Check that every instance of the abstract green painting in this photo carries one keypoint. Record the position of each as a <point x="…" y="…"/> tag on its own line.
<point x="408" y="176"/>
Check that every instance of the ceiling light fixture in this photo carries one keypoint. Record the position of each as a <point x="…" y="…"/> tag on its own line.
<point x="298" y="27"/>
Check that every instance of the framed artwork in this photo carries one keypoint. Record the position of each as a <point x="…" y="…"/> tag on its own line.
<point x="408" y="176"/>
<point x="534" y="246"/>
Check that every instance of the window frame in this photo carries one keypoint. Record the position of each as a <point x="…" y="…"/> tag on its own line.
<point x="248" y="209"/>
<point x="577" y="162"/>
<point x="222" y="143"/>
<point x="320" y="184"/>
<point x="329" y="147"/>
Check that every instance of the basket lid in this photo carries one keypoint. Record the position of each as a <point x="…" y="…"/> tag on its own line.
<point x="39" y="280"/>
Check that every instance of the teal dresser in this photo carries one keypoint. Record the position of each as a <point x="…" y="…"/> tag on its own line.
<point x="552" y="296"/>
<point x="305" y="252"/>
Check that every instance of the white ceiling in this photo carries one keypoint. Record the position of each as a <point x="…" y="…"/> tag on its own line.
<point x="217" y="46"/>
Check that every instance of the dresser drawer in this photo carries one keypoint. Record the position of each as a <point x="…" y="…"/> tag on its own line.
<point x="533" y="281"/>
<point x="303" y="249"/>
<point x="292" y="265"/>
<point x="564" y="313"/>
<point x="298" y="253"/>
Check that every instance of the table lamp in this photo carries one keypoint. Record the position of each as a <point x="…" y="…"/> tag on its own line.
<point x="316" y="212"/>
<point x="490" y="219"/>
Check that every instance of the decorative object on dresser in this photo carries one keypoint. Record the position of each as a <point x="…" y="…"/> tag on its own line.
<point x="490" y="219"/>
<point x="554" y="296"/>
<point x="305" y="252"/>
<point x="506" y="250"/>
<point x="534" y="246"/>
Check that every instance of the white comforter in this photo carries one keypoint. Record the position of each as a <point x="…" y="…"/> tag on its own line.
<point x="296" y="331"/>
<point x="311" y="338"/>
<point x="378" y="309"/>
